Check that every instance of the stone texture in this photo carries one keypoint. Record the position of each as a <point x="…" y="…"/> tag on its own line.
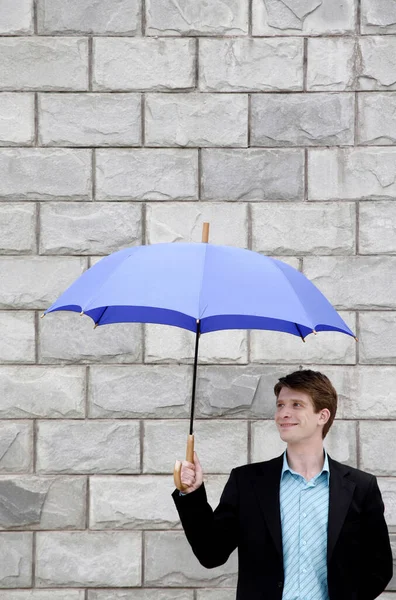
<point x="377" y="337"/>
<point x="378" y="17"/>
<point x="182" y="222"/>
<point x="378" y="447"/>
<point x="42" y="595"/>
<point x="370" y="280"/>
<point x="16" y="117"/>
<point x="17" y="228"/>
<point x="377" y="229"/>
<point x="330" y="64"/>
<point x="340" y="442"/>
<point x="139" y="391"/>
<point x="166" y="549"/>
<point x="16" y="18"/>
<point x="302" y="228"/>
<point x="129" y="502"/>
<point x="142" y="594"/>
<point x="29" y="502"/>
<point x="16" y="447"/>
<point x="91" y="16"/>
<point x="377" y="66"/>
<point x="220" y="17"/>
<point x="349" y="174"/>
<point x="49" y="392"/>
<point x="89" y="119"/>
<point x="325" y="347"/>
<point x="16" y="559"/>
<point x="17" y="341"/>
<point x="302" y="119"/>
<point x="387" y="486"/>
<point x="377" y="120"/>
<point x="369" y="393"/>
<point x="221" y="445"/>
<point x="36" y="282"/>
<point x="146" y="174"/>
<point x="45" y="174"/>
<point x="196" y="120"/>
<point x="250" y="65"/>
<point x="252" y="174"/>
<point x="100" y="558"/>
<point x="304" y="17"/>
<point x="66" y="337"/>
<point x="226" y="594"/>
<point x="169" y="344"/>
<point x="88" y="447"/>
<point x="89" y="228"/>
<point x="41" y="63"/>
<point x="143" y="64"/>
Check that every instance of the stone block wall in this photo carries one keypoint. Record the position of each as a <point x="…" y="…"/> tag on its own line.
<point x="125" y="122"/>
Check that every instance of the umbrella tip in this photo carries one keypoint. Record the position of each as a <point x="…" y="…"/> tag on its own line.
<point x="356" y="339"/>
<point x="42" y="316"/>
<point x="314" y="332"/>
<point x="81" y="313"/>
<point x="95" y="326"/>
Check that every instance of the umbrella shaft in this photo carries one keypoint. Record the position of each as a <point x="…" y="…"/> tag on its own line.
<point x="194" y="375"/>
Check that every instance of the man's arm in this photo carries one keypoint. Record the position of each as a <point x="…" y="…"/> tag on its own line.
<point x="213" y="535"/>
<point x="377" y="565"/>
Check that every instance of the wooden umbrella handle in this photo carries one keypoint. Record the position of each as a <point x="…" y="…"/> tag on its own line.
<point x="190" y="458"/>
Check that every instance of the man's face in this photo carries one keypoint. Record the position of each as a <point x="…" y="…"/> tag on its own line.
<point x="295" y="417"/>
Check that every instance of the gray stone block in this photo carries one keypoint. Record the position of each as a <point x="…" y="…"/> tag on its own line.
<point x="88" y="447"/>
<point x="220" y="17"/>
<point x="227" y="594"/>
<point x="89" y="119"/>
<point x="250" y="65"/>
<point x="41" y="63"/>
<point x="91" y="16"/>
<point x="376" y="67"/>
<point x="378" y="17"/>
<point x="45" y="174"/>
<point x="17" y="228"/>
<point x="16" y="118"/>
<point x="170" y="562"/>
<point x="377" y="230"/>
<point x="87" y="558"/>
<point x="221" y="445"/>
<point x="351" y="174"/>
<point x="369" y="394"/>
<point x="196" y="120"/>
<point x="143" y="64"/>
<point x="36" y="282"/>
<point x="42" y="595"/>
<point x="16" y="555"/>
<point x="29" y="502"/>
<point x="387" y="486"/>
<point x="252" y="174"/>
<point x="354" y="282"/>
<point x="303" y="228"/>
<point x="182" y="222"/>
<point x="331" y="64"/>
<point x="377" y="337"/>
<point x="142" y="594"/>
<point x="311" y="17"/>
<point x="49" y="392"/>
<point x="89" y="228"/>
<point x="16" y="18"/>
<point x="147" y="174"/>
<point x="68" y="338"/>
<point x="16" y="447"/>
<point x="17" y="341"/>
<point x="378" y="447"/>
<point x="377" y="120"/>
<point x="302" y="119"/>
<point x="139" y="391"/>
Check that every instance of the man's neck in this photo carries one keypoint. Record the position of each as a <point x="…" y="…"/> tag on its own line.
<point x="306" y="460"/>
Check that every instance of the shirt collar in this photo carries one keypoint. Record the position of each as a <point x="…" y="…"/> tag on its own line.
<point x="325" y="468"/>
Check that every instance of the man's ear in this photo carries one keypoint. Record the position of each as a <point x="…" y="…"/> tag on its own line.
<point x="324" y="415"/>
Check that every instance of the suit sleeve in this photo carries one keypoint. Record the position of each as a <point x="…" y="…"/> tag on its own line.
<point x="212" y="535"/>
<point x="377" y="565"/>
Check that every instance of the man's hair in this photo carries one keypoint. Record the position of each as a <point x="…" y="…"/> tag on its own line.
<point x="317" y="386"/>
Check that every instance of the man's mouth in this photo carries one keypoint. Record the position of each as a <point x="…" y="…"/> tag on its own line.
<point x="286" y="425"/>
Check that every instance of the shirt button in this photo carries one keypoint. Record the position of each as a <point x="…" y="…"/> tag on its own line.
<point x="304" y="543"/>
<point x="304" y="514"/>
<point x="304" y="570"/>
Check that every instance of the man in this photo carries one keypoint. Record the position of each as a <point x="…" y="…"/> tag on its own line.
<point x="306" y="526"/>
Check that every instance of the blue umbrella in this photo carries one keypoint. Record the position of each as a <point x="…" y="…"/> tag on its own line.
<point x="202" y="288"/>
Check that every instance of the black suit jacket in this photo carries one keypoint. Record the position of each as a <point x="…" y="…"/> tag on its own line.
<point x="359" y="557"/>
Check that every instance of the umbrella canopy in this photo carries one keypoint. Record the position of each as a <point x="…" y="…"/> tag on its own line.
<point x="222" y="287"/>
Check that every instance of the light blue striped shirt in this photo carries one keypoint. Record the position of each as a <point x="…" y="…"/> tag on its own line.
<point x="304" y="509"/>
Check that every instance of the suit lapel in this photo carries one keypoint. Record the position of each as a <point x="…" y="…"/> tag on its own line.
<point x="341" y="492"/>
<point x="266" y="484"/>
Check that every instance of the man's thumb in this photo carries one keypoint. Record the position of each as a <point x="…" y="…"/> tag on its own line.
<point x="196" y="461"/>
